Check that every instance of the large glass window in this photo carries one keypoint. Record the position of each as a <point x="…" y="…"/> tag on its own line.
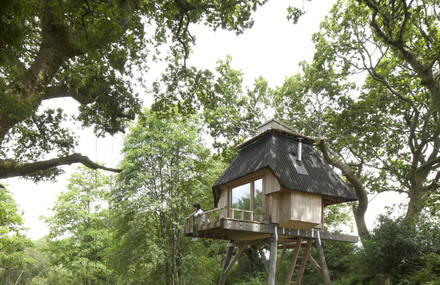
<point x="241" y="197"/>
<point x="248" y="197"/>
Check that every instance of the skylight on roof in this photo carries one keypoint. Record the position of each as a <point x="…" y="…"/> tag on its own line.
<point x="299" y="165"/>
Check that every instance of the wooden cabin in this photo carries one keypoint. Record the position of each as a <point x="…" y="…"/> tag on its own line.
<point x="277" y="177"/>
<point x="274" y="191"/>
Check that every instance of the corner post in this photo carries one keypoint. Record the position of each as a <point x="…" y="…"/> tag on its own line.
<point x="273" y="257"/>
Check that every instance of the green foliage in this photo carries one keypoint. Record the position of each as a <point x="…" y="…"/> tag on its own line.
<point x="230" y="112"/>
<point x="164" y="171"/>
<point x="79" y="239"/>
<point x="366" y="92"/>
<point x="13" y="257"/>
<point x="88" y="51"/>
<point x="249" y="269"/>
<point x="397" y="250"/>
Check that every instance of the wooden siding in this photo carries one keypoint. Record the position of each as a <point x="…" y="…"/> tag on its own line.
<point x="300" y="210"/>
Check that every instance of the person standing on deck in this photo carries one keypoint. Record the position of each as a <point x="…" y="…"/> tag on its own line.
<point x="197" y="212"/>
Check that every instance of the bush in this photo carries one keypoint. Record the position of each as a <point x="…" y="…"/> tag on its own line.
<point x="400" y="250"/>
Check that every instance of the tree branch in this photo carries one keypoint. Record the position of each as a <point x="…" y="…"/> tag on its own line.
<point x="429" y="165"/>
<point x="53" y="92"/>
<point x="11" y="168"/>
<point x="358" y="186"/>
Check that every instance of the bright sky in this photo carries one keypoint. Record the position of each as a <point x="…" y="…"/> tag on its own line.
<point x="272" y="48"/>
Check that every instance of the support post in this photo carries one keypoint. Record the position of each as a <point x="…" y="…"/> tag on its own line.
<point x="229" y="251"/>
<point x="273" y="257"/>
<point x="324" y="268"/>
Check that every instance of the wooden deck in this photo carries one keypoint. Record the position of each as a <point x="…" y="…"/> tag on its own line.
<point x="217" y="225"/>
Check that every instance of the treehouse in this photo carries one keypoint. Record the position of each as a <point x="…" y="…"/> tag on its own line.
<point x="276" y="186"/>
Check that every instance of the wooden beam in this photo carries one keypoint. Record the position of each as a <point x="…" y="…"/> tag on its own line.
<point x="230" y="249"/>
<point x="315" y="263"/>
<point x="324" y="271"/>
<point x="240" y="251"/>
<point x="293" y="262"/>
<point x="280" y="260"/>
<point x="267" y="228"/>
<point x="304" y="261"/>
<point x="271" y="280"/>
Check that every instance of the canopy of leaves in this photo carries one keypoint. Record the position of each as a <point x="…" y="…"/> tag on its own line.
<point x="365" y="91"/>
<point x="87" y="50"/>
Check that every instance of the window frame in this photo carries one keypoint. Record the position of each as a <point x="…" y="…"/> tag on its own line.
<point x="250" y="181"/>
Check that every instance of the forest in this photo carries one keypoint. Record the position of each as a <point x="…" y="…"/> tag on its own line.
<point x="370" y="94"/>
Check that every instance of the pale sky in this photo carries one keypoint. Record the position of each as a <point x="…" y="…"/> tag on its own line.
<point x="272" y="49"/>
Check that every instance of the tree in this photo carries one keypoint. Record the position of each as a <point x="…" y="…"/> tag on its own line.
<point x="230" y="111"/>
<point x="80" y="235"/>
<point x="13" y="243"/>
<point x="85" y="50"/>
<point x="163" y="169"/>
<point x="401" y="87"/>
<point x="377" y="108"/>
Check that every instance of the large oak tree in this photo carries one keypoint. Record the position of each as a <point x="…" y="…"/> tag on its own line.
<point x="372" y="90"/>
<point x="87" y="50"/>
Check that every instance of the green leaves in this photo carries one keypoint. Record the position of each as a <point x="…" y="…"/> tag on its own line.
<point x="12" y="241"/>
<point x="80" y="235"/>
<point x="87" y="50"/>
<point x="164" y="172"/>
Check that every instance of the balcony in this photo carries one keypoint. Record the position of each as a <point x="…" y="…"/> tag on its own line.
<point x="244" y="225"/>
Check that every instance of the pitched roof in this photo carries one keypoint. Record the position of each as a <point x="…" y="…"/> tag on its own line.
<point x="276" y="149"/>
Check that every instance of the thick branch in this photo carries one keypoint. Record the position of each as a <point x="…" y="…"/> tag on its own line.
<point x="424" y="71"/>
<point x="429" y="165"/>
<point x="12" y="168"/>
<point x="63" y="91"/>
<point x="358" y="186"/>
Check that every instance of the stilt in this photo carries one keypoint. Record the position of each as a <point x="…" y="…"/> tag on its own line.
<point x="324" y="268"/>
<point x="271" y="280"/>
<point x="229" y="251"/>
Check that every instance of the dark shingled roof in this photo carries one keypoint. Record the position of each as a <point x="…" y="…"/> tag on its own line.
<point x="276" y="149"/>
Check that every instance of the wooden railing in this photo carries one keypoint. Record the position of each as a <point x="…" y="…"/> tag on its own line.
<point x="243" y="215"/>
<point x="210" y="218"/>
<point x="206" y="220"/>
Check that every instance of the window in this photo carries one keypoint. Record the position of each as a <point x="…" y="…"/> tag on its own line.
<point x="241" y="197"/>
<point x="258" y="197"/>
<point x="249" y="197"/>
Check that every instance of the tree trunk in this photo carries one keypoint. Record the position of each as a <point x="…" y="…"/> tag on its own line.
<point x="359" y="217"/>
<point x="415" y="204"/>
